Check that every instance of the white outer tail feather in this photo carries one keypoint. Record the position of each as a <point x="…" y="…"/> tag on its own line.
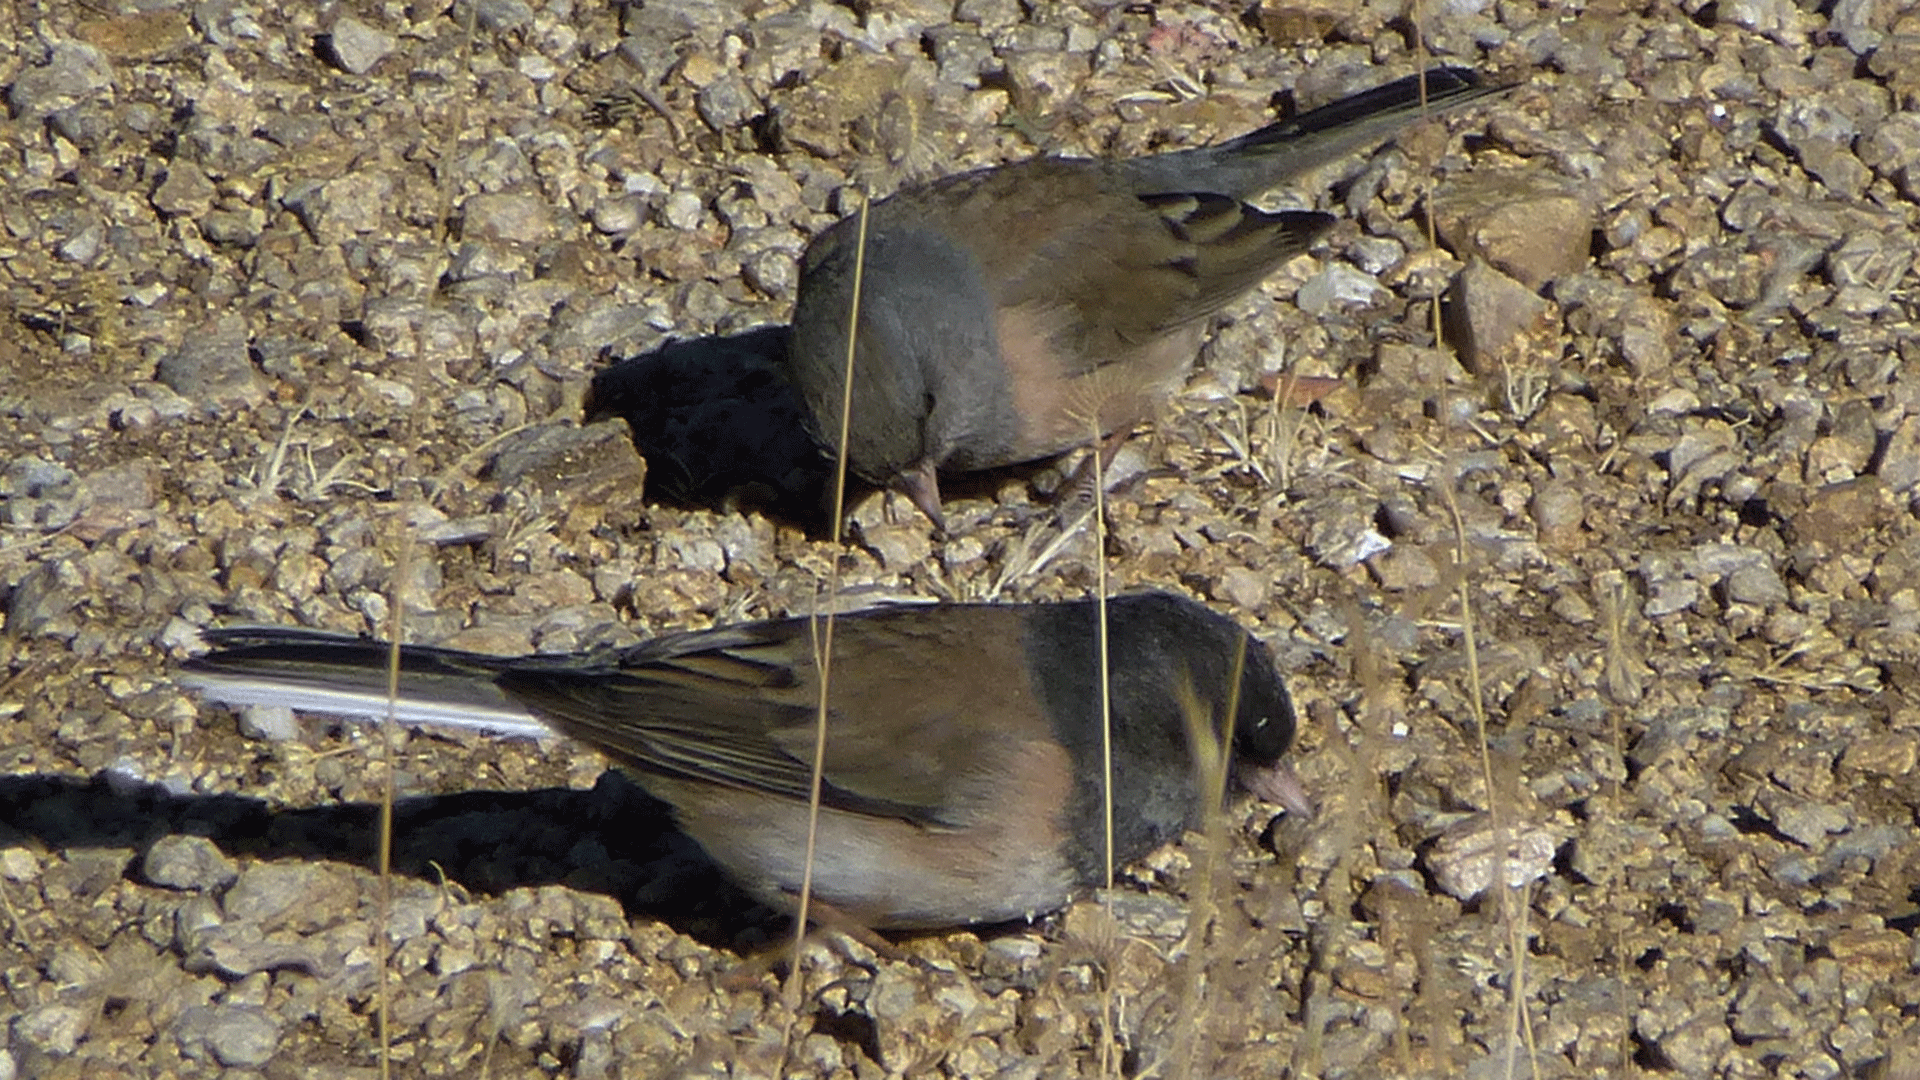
<point x="366" y="705"/>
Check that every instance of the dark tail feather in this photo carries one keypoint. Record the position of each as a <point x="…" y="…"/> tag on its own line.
<point x="1258" y="160"/>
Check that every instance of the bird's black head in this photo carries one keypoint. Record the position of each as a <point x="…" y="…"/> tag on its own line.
<point x="1264" y="720"/>
<point x="1171" y="654"/>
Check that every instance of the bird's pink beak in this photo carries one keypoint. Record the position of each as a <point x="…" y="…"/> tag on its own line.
<point x="1275" y="783"/>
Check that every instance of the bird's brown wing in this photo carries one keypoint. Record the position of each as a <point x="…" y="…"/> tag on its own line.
<point x="1074" y="246"/>
<point x="925" y="701"/>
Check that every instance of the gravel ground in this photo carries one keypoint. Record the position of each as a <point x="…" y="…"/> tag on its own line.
<point x="306" y="308"/>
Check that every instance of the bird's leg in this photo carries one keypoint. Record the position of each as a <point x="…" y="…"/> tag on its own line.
<point x="826" y="917"/>
<point x="822" y="918"/>
<point x="1076" y="495"/>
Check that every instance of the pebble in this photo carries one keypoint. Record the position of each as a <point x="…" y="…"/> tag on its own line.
<point x="683" y="210"/>
<point x="72" y="72"/>
<point x="236" y="1036"/>
<point x="188" y="863"/>
<point x="212" y="366"/>
<point x="357" y="47"/>
<point x="1337" y="285"/>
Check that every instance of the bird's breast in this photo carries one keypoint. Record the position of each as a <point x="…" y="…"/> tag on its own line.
<point x="1007" y="861"/>
<point x="1074" y="385"/>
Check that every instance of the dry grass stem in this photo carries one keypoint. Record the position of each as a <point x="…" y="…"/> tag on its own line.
<point x="823" y="639"/>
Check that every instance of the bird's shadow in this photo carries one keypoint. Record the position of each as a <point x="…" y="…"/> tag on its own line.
<point x="613" y="839"/>
<point x="719" y="424"/>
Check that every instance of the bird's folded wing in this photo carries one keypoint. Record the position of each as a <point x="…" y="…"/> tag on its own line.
<point x="738" y="708"/>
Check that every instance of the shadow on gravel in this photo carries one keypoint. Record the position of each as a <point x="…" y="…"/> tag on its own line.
<point x="614" y="839"/>
<point x="719" y="425"/>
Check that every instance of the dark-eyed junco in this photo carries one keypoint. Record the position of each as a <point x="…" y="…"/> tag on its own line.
<point x="1007" y="314"/>
<point x="963" y="766"/>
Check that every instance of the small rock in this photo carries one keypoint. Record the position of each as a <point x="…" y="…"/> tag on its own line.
<point x="233" y="228"/>
<point x="356" y="47"/>
<point x="495" y="16"/>
<point x="963" y="55"/>
<point x="690" y="552"/>
<point x="913" y="1009"/>
<point x="683" y="210"/>
<point x="1573" y="607"/>
<point x="1669" y="589"/>
<point x="1300" y="21"/>
<point x="1756" y="584"/>
<point x="726" y="103"/>
<point x="1689" y="1031"/>
<point x="1497" y="321"/>
<point x="1853" y="23"/>
<point x="271" y="895"/>
<point x="54" y="1028"/>
<point x="1467" y="861"/>
<point x="212" y="366"/>
<point x="344" y="207"/>
<point x="1244" y="588"/>
<point x="1640" y="326"/>
<point x="235" y="952"/>
<point x="33" y="478"/>
<point x="1837" y="515"/>
<point x="1014" y="952"/>
<point x="772" y="272"/>
<point x="1807" y="823"/>
<point x="1341" y="532"/>
<point x="1406" y="568"/>
<point x="1874" y="954"/>
<point x="618" y="215"/>
<point x="1764" y="1009"/>
<point x="898" y="544"/>
<point x="1796" y="869"/>
<point x="511" y="218"/>
<point x="73" y="73"/>
<point x="133" y="485"/>
<point x="83" y="246"/>
<point x="1338" y="285"/>
<point x="237" y="1036"/>
<point x="186" y="191"/>
<point x="1886" y="754"/>
<point x="140" y="35"/>
<point x="1844" y="452"/>
<point x="1148" y="915"/>
<point x="191" y="863"/>
<point x="270" y="723"/>
<point x="1893" y="151"/>
<point x="17" y="864"/>
<point x="1528" y="226"/>
<point x="1558" y="509"/>
<point x="582" y="463"/>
